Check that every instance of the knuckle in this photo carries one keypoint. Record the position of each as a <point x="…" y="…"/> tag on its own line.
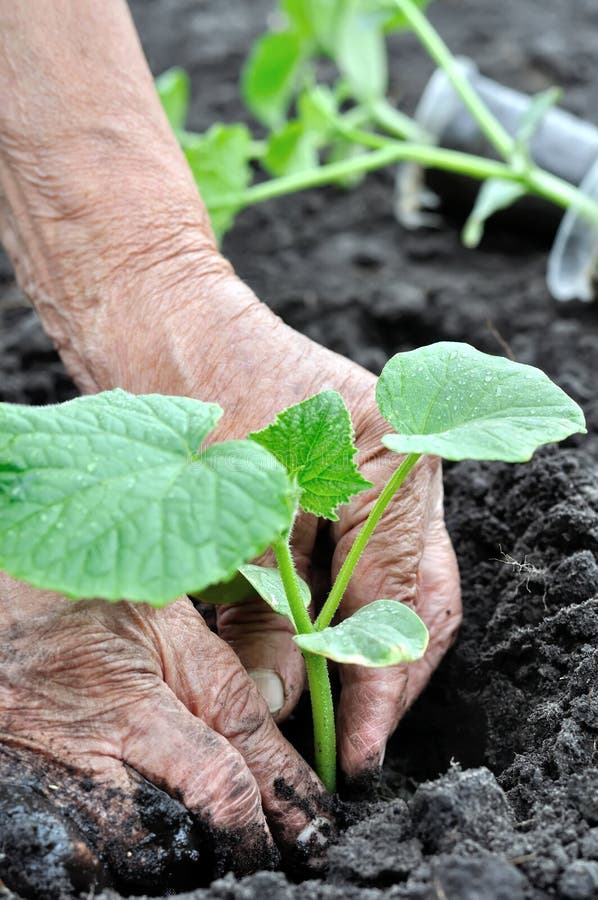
<point x="230" y="793"/>
<point x="241" y="710"/>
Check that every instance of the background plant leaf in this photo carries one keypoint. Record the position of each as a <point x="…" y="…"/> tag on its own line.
<point x="270" y="75"/>
<point x="268" y="584"/>
<point x="174" y="90"/>
<point x="110" y="496"/>
<point x="291" y="149"/>
<point x="531" y="121"/>
<point x="360" y="52"/>
<point x="314" y="442"/>
<point x="383" y="633"/>
<point x="493" y="195"/>
<point x="220" y="163"/>
<point x="452" y="400"/>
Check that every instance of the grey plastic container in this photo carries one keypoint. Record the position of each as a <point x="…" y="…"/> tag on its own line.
<point x="563" y="144"/>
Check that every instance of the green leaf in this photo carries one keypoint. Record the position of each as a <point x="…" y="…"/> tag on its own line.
<point x="268" y="584"/>
<point x="494" y="194"/>
<point x="219" y="161"/>
<point x="531" y="121"/>
<point x="383" y="633"/>
<point x="292" y="149"/>
<point x="174" y="90"/>
<point x="360" y="53"/>
<point x="396" y="20"/>
<point x="113" y="496"/>
<point x="270" y="76"/>
<point x="452" y="400"/>
<point x="316" y="19"/>
<point x="341" y="150"/>
<point x="317" y="109"/>
<point x="314" y="442"/>
<point x="225" y="593"/>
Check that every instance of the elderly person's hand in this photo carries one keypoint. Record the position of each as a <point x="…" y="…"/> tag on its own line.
<point x="111" y="242"/>
<point x="96" y="701"/>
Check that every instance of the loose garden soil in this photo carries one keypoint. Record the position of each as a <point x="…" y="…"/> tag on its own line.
<point x="490" y="787"/>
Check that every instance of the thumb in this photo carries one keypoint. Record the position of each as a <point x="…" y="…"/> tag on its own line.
<point x="262" y="639"/>
<point x="411" y="560"/>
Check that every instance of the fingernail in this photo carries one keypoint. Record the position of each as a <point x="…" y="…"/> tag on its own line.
<point x="316" y="834"/>
<point x="270" y="686"/>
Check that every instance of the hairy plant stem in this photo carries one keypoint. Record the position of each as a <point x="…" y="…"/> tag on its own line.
<point x="348" y="567"/>
<point x="317" y="673"/>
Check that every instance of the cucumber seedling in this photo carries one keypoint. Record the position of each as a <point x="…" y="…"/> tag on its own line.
<point x="115" y="496"/>
<point x="334" y="132"/>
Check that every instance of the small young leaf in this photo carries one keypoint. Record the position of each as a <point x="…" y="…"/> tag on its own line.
<point x="317" y="109"/>
<point x="268" y="584"/>
<point x="112" y="496"/>
<point x="341" y="150"/>
<point x="531" y="121"/>
<point x="270" y="76"/>
<point x="383" y="633"/>
<point x="219" y="161"/>
<point x="174" y="90"/>
<point x="314" y="442"/>
<point x="494" y="194"/>
<point x="360" y="53"/>
<point x="454" y="401"/>
<point x="292" y="149"/>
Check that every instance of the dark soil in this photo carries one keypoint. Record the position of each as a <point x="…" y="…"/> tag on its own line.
<point x="490" y="788"/>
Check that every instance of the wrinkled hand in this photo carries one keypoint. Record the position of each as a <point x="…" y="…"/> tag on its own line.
<point x="100" y="701"/>
<point x="111" y="242"/>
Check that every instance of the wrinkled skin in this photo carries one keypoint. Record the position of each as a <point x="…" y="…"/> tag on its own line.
<point x="129" y="284"/>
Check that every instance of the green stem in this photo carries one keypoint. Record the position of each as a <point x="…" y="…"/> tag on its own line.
<point x="286" y="567"/>
<point x="387" y="152"/>
<point x="348" y="567"/>
<point x="396" y="124"/>
<point x="392" y="152"/>
<point x="322" y="710"/>
<point x="444" y="59"/>
<point x="320" y="692"/>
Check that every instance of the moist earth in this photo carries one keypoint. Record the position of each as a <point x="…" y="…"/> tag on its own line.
<point x="490" y="788"/>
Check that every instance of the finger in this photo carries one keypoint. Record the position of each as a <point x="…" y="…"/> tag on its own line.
<point x="178" y="752"/>
<point x="297" y="806"/>
<point x="410" y="559"/>
<point x="438" y="604"/>
<point x="263" y="640"/>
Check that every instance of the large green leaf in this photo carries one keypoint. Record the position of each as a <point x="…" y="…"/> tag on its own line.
<point x="452" y="400"/>
<point x="173" y="89"/>
<point x="314" y="442"/>
<point x="113" y="496"/>
<point x="220" y="163"/>
<point x="268" y="584"/>
<point x="383" y="633"/>
<point x="270" y="76"/>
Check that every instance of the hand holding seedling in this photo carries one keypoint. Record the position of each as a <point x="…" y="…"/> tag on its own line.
<point x="128" y="282"/>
